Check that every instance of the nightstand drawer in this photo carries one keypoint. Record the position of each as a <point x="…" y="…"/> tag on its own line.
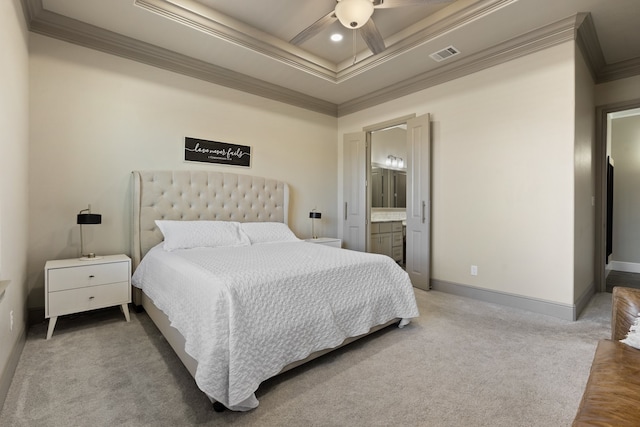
<point x="90" y="275"/>
<point x="83" y="299"/>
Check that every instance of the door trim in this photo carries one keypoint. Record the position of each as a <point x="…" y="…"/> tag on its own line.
<point x="393" y="122"/>
<point x="601" y="184"/>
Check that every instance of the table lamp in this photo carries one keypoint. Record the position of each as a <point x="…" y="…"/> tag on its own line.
<point x="314" y="215"/>
<point x="85" y="217"/>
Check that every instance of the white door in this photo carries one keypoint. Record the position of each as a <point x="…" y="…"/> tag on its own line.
<point x="354" y="230"/>
<point x="418" y="201"/>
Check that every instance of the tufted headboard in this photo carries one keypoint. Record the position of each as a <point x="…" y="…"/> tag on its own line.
<point x="201" y="195"/>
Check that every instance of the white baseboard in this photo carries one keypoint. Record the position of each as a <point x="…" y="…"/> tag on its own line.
<point x="628" y="267"/>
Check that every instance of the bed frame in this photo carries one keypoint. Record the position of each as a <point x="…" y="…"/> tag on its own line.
<point x="202" y="195"/>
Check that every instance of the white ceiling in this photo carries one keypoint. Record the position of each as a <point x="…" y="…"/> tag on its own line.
<point x="244" y="44"/>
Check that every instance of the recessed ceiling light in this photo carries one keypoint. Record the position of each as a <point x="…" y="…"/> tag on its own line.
<point x="336" y="37"/>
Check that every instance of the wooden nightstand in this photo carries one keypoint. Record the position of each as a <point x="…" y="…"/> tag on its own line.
<point x="73" y="286"/>
<point x="327" y="241"/>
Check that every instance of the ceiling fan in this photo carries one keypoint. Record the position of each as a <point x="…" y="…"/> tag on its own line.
<point x="355" y="14"/>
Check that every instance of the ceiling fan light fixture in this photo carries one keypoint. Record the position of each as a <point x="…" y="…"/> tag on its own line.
<point x="354" y="13"/>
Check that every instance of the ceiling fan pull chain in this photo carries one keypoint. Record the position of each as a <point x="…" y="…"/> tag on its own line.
<point x="355" y="46"/>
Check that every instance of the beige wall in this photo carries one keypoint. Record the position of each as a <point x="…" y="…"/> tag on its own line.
<point x="626" y="192"/>
<point x="584" y="204"/>
<point x="14" y="113"/>
<point x="97" y="117"/>
<point x="502" y="174"/>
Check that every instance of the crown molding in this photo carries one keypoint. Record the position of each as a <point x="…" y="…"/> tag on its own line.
<point x="526" y="44"/>
<point x="202" y="18"/>
<point x="420" y="34"/>
<point x="60" y="27"/>
<point x="578" y="27"/>
<point x="619" y="70"/>
<point x="587" y="40"/>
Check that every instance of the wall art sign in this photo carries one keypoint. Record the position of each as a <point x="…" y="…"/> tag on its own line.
<point x="201" y="150"/>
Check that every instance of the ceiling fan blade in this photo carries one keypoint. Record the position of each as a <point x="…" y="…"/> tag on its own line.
<point x="388" y="4"/>
<point x="314" y="28"/>
<point x="372" y="37"/>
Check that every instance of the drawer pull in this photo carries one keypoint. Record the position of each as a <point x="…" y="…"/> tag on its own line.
<point x="91" y="276"/>
<point x="91" y="298"/>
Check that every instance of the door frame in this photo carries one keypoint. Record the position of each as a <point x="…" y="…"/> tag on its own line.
<point x="602" y="130"/>
<point x="368" y="130"/>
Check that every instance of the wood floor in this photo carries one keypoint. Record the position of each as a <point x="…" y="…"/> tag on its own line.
<point x="622" y="278"/>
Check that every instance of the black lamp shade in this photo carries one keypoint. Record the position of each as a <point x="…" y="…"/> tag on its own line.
<point x="89" y="218"/>
<point x="315" y="215"/>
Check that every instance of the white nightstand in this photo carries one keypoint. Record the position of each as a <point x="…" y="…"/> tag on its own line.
<point x="73" y="286"/>
<point x="327" y="241"/>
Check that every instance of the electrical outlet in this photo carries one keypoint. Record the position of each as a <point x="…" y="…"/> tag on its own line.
<point x="11" y="321"/>
<point x="474" y="270"/>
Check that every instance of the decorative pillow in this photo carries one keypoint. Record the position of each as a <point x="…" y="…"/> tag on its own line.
<point x="268" y="232"/>
<point x="633" y="337"/>
<point x="201" y="234"/>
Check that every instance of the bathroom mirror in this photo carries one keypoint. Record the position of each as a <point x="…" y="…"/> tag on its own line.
<point x="388" y="167"/>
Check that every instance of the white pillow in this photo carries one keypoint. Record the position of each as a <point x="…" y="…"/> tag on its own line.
<point x="633" y="337"/>
<point x="268" y="232"/>
<point x="201" y="234"/>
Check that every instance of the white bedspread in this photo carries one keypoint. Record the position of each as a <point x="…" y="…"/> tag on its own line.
<point x="246" y="312"/>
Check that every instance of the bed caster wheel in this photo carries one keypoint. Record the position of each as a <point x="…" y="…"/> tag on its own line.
<point x="218" y="407"/>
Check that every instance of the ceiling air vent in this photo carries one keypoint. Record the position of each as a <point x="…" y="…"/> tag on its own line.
<point x="445" y="53"/>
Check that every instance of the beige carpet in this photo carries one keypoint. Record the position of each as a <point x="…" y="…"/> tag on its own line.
<point x="462" y="363"/>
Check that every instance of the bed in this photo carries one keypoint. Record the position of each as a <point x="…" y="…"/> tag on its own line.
<point x="236" y="294"/>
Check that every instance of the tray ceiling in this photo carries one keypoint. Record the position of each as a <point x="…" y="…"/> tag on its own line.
<point x="246" y="44"/>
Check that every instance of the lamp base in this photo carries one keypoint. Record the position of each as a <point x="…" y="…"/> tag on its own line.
<point x="89" y="257"/>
